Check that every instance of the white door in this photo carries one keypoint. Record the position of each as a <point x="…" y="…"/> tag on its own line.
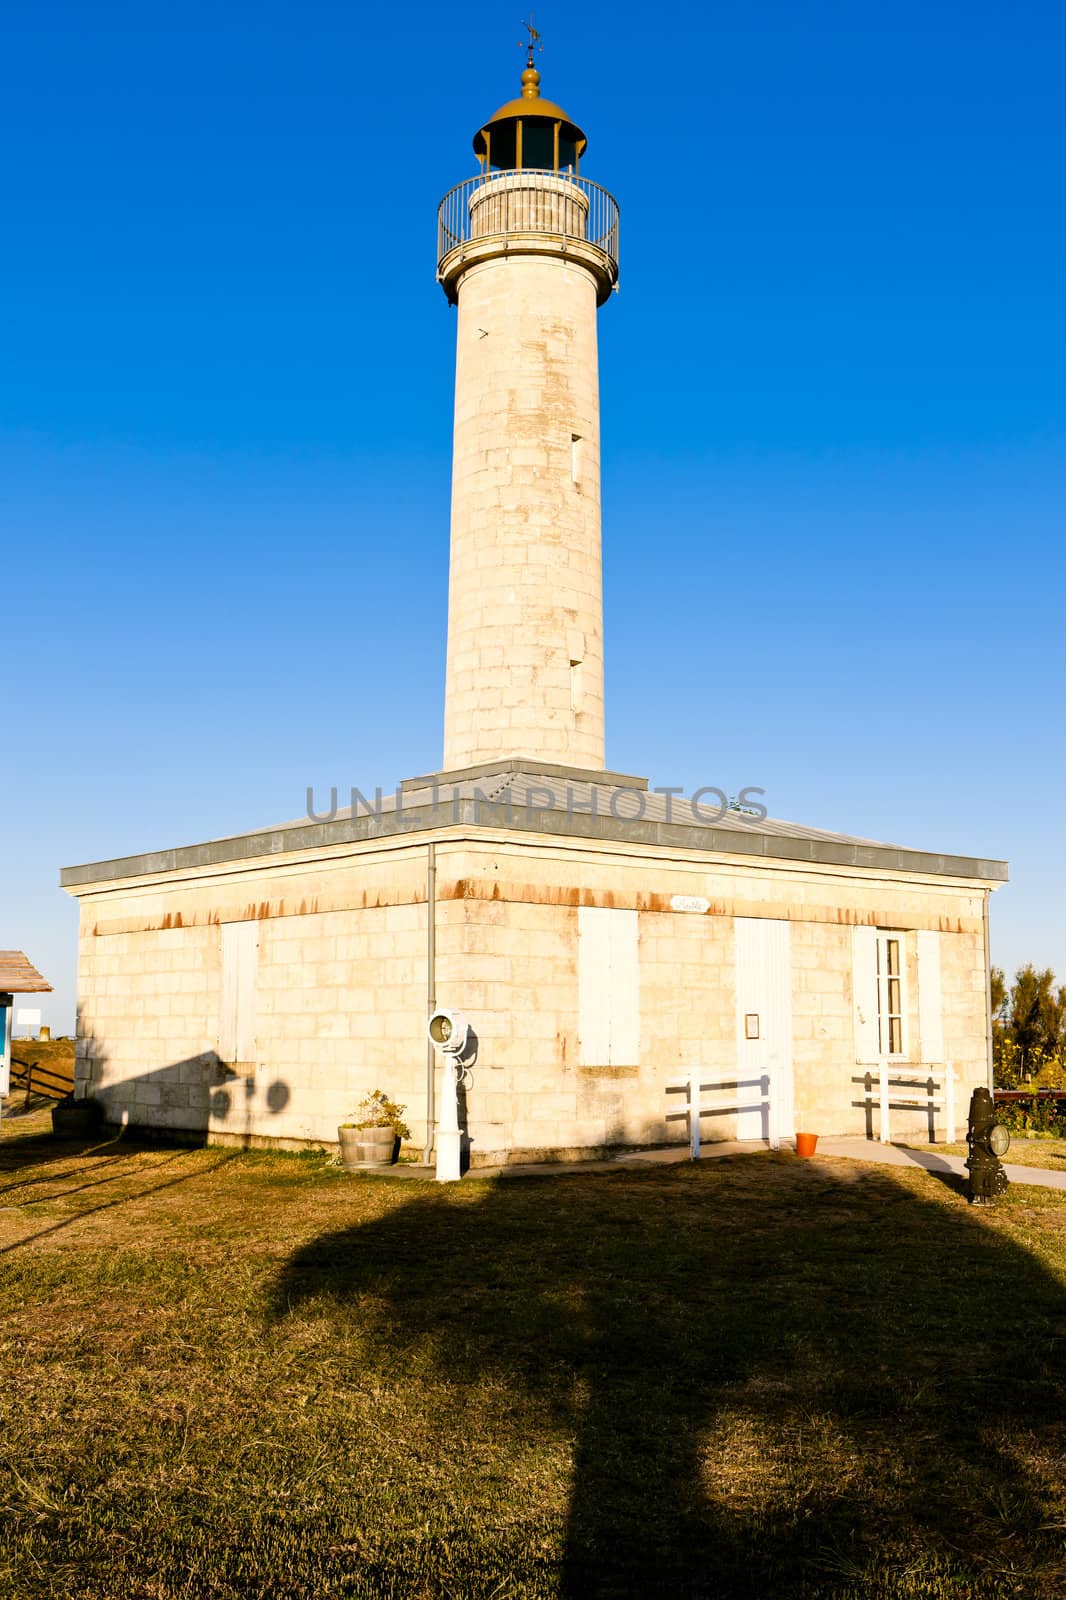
<point x="764" y="1027"/>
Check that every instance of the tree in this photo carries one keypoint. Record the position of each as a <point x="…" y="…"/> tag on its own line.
<point x="1028" y="1028"/>
<point x="1036" y="1015"/>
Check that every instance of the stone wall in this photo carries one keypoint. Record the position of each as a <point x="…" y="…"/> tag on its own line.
<point x="339" y="1007"/>
<point x="512" y="906"/>
<point x="341" y="986"/>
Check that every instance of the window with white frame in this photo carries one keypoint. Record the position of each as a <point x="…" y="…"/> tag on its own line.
<point x="890" y="994"/>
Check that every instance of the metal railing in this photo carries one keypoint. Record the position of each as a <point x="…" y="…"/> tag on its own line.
<point x="528" y="200"/>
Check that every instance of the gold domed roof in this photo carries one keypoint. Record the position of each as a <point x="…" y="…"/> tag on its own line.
<point x="535" y="106"/>
<point x="499" y="141"/>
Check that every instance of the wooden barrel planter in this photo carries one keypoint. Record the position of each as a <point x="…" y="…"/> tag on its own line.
<point x="367" y="1147"/>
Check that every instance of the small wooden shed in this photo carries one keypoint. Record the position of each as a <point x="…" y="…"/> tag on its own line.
<point x="18" y="975"/>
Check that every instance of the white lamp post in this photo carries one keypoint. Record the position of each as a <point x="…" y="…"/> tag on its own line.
<point x="449" y="1031"/>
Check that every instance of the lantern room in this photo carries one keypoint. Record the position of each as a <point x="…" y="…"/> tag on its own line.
<point x="530" y="132"/>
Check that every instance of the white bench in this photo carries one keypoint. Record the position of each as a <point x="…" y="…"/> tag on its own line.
<point x="698" y="1081"/>
<point x="901" y="1087"/>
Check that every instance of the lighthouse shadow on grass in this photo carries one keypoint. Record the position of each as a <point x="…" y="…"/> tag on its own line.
<point x="760" y="1377"/>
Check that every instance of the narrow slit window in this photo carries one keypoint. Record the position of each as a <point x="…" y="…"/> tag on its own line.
<point x="575" y="653"/>
<point x="576" y="452"/>
<point x="575" y="686"/>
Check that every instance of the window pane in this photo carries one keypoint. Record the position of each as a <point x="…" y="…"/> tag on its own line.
<point x="538" y="144"/>
<point x="502" y="148"/>
<point x="893" y="956"/>
<point x="895" y="1036"/>
<point x="894" y="1005"/>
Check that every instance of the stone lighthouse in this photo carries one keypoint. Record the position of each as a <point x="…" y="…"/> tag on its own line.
<point x="528" y="251"/>
<point x="634" y="967"/>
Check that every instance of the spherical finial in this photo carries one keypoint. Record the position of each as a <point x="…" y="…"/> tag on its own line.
<point x="531" y="84"/>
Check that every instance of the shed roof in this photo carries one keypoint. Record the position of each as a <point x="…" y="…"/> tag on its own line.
<point x="18" y="975"/>
<point x="528" y="797"/>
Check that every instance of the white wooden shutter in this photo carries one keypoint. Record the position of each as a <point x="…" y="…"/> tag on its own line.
<point x="608" y="987"/>
<point x="930" y="1002"/>
<point x="240" y="961"/>
<point x="864" y="989"/>
<point x="593" y="986"/>
<point x="625" y="989"/>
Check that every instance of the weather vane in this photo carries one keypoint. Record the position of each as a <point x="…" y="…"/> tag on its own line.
<point x="532" y="43"/>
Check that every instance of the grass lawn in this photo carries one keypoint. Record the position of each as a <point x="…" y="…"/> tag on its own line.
<point x="249" y="1374"/>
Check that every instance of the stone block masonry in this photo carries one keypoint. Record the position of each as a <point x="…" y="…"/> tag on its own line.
<point x="340" y="984"/>
<point x="525" y="611"/>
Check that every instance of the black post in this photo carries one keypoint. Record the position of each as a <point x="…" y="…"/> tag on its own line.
<point x="987" y="1140"/>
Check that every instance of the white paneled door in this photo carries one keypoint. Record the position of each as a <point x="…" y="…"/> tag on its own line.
<point x="764" y="1026"/>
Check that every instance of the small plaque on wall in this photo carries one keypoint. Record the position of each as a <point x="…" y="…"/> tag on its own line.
<point x="751" y="1025"/>
<point x="689" y="902"/>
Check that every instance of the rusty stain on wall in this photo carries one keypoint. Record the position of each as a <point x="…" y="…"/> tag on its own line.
<point x="491" y="892"/>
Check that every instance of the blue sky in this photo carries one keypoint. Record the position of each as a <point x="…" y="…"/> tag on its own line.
<point x="833" y="417"/>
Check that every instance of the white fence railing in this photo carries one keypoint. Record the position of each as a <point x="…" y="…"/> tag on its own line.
<point x="904" y="1088"/>
<point x="698" y="1081"/>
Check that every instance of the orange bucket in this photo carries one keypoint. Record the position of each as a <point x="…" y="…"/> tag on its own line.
<point x="806" y="1144"/>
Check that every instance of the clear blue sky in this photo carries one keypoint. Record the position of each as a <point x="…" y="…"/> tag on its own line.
<point x="834" y="415"/>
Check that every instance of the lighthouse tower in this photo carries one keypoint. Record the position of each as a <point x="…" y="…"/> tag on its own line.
<point x="527" y="251"/>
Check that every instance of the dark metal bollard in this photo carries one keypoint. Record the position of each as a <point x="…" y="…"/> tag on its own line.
<point x="987" y="1140"/>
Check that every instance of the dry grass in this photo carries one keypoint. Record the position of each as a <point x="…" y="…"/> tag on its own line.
<point x="253" y="1374"/>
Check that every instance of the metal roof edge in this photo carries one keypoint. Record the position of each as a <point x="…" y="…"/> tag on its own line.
<point x="297" y="837"/>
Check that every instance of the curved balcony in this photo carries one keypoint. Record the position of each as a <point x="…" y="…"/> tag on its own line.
<point x="527" y="212"/>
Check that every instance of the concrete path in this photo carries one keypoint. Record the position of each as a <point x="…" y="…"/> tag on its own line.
<point x="887" y="1155"/>
<point x="933" y="1160"/>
